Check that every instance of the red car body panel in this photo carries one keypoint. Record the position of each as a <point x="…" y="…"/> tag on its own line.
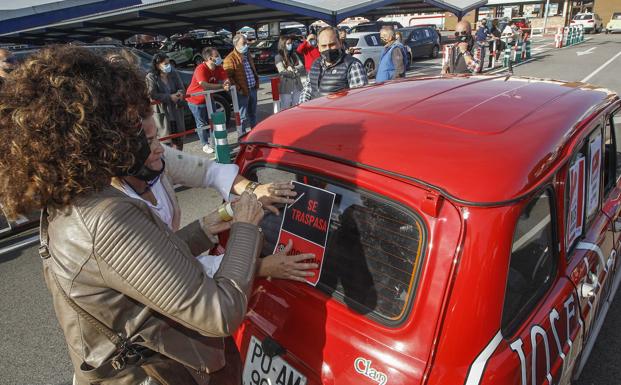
<point x="465" y="154"/>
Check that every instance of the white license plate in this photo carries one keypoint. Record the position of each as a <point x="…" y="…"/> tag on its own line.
<point x="260" y="369"/>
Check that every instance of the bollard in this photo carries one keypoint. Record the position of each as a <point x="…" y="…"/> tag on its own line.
<point x="528" y="53"/>
<point x="558" y="38"/>
<point x="494" y="50"/>
<point x="446" y="54"/>
<point x="507" y="54"/>
<point x="223" y="152"/>
<point x="566" y="35"/>
<point x="238" y="122"/>
<point x="581" y="33"/>
<point x="517" y="52"/>
<point x="276" y="94"/>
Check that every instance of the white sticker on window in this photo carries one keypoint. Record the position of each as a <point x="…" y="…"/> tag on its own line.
<point x="575" y="216"/>
<point x="594" y="174"/>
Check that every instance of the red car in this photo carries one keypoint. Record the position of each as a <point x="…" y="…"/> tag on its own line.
<point x="472" y="238"/>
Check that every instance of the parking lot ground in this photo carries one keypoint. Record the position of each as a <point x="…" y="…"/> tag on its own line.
<point x="33" y="352"/>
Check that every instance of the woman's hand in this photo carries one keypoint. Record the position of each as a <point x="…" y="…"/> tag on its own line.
<point x="247" y="209"/>
<point x="272" y="193"/>
<point x="283" y="266"/>
<point x="174" y="97"/>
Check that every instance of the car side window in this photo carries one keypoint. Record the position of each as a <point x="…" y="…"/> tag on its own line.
<point x="417" y="35"/>
<point x="575" y="198"/>
<point x="374" y="250"/>
<point x="375" y="40"/>
<point x="533" y="262"/>
<point x="426" y="32"/>
<point x="594" y="170"/>
<point x="612" y="151"/>
<point x="614" y="124"/>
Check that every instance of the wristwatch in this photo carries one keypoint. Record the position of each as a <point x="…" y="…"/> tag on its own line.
<point x="250" y="187"/>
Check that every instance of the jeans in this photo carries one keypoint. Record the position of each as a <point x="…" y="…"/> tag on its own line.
<point x="248" y="108"/>
<point x="289" y="100"/>
<point x="199" y="111"/>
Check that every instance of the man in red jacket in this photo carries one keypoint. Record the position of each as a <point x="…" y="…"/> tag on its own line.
<point x="309" y="50"/>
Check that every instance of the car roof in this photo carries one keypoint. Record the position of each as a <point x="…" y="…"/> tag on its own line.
<point x="477" y="140"/>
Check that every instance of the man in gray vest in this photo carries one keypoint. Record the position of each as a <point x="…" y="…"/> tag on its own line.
<point x="335" y="70"/>
<point x="461" y="59"/>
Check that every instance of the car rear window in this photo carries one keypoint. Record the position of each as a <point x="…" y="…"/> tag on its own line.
<point x="374" y="249"/>
<point x="351" y="42"/>
<point x="616" y="16"/>
<point x="586" y="16"/>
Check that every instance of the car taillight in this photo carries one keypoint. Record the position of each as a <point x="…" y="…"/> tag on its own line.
<point x="264" y="55"/>
<point x="356" y="51"/>
<point x="590" y="21"/>
<point x="573" y="21"/>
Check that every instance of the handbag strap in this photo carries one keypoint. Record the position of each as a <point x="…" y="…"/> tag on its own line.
<point x="120" y="342"/>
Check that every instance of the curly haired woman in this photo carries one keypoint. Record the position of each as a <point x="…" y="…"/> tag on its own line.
<point x="134" y="304"/>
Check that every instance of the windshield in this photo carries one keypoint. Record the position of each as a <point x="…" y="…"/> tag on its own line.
<point x="585" y="16"/>
<point x="364" y="28"/>
<point x="263" y="44"/>
<point x="351" y="42"/>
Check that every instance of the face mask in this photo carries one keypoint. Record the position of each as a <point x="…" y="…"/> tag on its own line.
<point x="143" y="150"/>
<point x="243" y="49"/>
<point x="331" y="55"/>
<point x="289" y="47"/>
<point x="464" y="38"/>
<point x="218" y="61"/>
<point x="149" y="175"/>
<point x="313" y="42"/>
<point x="167" y="68"/>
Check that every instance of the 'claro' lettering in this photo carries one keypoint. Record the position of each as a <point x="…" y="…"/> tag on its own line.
<point x="363" y="366"/>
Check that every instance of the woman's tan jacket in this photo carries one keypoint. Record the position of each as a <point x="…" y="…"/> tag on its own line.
<point x="120" y="263"/>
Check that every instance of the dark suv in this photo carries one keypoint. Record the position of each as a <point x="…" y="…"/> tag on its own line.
<point x="375" y="26"/>
<point x="424" y="41"/>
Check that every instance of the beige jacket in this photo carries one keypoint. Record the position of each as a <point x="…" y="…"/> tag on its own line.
<point x="120" y="263"/>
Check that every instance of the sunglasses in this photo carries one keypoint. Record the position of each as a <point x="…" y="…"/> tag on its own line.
<point x="462" y="33"/>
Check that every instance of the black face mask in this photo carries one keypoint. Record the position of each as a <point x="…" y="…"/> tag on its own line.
<point x="139" y="169"/>
<point x="332" y="55"/>
<point x="464" y="38"/>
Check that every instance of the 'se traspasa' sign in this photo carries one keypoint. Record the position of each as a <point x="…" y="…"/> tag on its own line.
<point x="306" y="222"/>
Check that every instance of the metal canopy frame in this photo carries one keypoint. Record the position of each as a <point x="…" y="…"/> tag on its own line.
<point x="92" y="21"/>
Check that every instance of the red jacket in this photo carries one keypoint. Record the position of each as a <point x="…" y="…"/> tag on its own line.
<point x="310" y="54"/>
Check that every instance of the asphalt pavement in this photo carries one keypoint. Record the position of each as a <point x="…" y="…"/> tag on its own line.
<point x="32" y="348"/>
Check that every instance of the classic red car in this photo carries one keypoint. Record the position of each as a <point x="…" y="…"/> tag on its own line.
<point x="473" y="237"/>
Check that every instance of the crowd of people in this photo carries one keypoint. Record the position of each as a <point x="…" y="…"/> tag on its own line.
<point x="140" y="298"/>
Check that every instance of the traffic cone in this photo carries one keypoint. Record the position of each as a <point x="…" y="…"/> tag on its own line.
<point x="223" y="152"/>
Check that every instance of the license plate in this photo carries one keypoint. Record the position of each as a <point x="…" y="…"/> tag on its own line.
<point x="260" y="369"/>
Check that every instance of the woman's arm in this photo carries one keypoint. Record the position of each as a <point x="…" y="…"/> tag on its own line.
<point x="152" y="88"/>
<point x="280" y="66"/>
<point x="140" y="260"/>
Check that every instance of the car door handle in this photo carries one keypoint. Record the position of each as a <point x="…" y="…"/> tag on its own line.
<point x="587" y="290"/>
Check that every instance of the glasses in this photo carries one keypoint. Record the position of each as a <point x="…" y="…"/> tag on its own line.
<point x="462" y="33"/>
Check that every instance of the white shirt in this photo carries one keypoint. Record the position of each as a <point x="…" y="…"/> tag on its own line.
<point x="163" y="208"/>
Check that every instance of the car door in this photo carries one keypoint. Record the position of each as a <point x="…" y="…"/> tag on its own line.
<point x="612" y="187"/>
<point x="374" y="47"/>
<point x="541" y="331"/>
<point x="589" y="241"/>
<point x="418" y="44"/>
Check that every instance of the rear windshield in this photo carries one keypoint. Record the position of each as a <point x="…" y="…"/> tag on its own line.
<point x="365" y="28"/>
<point x="351" y="42"/>
<point x="616" y="16"/>
<point x="263" y="44"/>
<point x="586" y="16"/>
<point x="374" y="248"/>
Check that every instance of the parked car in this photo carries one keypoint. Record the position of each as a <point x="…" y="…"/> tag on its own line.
<point x="478" y="245"/>
<point x="187" y="51"/>
<point x="614" y="25"/>
<point x="375" y="26"/>
<point x="424" y="41"/>
<point x="591" y="22"/>
<point x="366" y="47"/>
<point x="264" y="52"/>
<point x="9" y="228"/>
<point x="522" y="23"/>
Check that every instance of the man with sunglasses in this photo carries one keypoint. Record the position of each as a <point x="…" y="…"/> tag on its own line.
<point x="461" y="60"/>
<point x="7" y="64"/>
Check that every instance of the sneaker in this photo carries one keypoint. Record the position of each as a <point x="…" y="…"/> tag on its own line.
<point x="208" y="149"/>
